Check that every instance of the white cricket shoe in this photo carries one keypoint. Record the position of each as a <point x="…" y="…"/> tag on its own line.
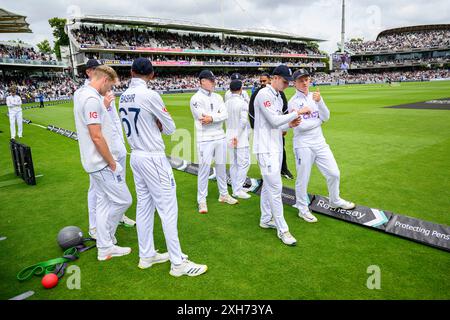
<point x="202" y="207"/>
<point x="114" y="251"/>
<point x="127" y="221"/>
<point x="242" y="195"/>
<point x="306" y="215"/>
<point x="287" y="238"/>
<point x="114" y="240"/>
<point x="228" y="199"/>
<point x="187" y="268"/>
<point x="145" y="263"/>
<point x="93" y="233"/>
<point x="343" y="204"/>
<point x="268" y="225"/>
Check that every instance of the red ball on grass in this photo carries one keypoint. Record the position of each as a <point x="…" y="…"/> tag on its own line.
<point x="49" y="280"/>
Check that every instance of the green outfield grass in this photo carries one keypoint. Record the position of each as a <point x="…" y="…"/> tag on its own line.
<point x="392" y="159"/>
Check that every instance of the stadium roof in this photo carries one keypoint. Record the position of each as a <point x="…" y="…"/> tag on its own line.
<point x="190" y="26"/>
<point x="415" y="28"/>
<point x="13" y="23"/>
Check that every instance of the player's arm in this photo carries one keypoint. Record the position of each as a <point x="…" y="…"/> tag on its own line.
<point x="91" y="112"/>
<point x="19" y="102"/>
<point x="159" y="110"/>
<point x="221" y="114"/>
<point x="324" y="113"/>
<point x="304" y="125"/>
<point x="9" y="103"/>
<point x="197" y="108"/>
<point x="243" y="119"/>
<point x="274" y="119"/>
<point x="95" y="131"/>
<point x="251" y="108"/>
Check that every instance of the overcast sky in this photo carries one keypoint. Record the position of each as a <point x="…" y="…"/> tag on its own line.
<point x="310" y="18"/>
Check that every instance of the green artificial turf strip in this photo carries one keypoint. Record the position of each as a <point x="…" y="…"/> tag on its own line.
<point x="392" y="159"/>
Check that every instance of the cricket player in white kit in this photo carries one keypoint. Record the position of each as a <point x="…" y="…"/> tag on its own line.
<point x="311" y="148"/>
<point x="238" y="139"/>
<point x="119" y="144"/>
<point x="209" y="112"/>
<point x="144" y="117"/>
<point x="99" y="157"/>
<point x="270" y="122"/>
<point x="14" y="103"/>
<point x="244" y="94"/>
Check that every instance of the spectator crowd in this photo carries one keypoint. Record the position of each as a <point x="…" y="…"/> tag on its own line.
<point x="17" y="51"/>
<point x="131" y="38"/>
<point x="30" y="88"/>
<point x="403" y="40"/>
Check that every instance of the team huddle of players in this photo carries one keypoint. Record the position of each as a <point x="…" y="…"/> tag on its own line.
<point x="144" y="117"/>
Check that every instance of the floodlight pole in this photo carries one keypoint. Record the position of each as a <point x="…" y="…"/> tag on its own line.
<point x="343" y="28"/>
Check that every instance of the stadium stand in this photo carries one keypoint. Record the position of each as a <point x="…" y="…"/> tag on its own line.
<point x="408" y="48"/>
<point x="178" y="45"/>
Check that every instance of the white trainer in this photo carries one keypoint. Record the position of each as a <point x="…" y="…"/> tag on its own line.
<point x="127" y="221"/>
<point x="202" y="207"/>
<point x="343" y="204"/>
<point x="114" y="251"/>
<point x="93" y="233"/>
<point x="306" y="215"/>
<point x="287" y="238"/>
<point x="242" y="195"/>
<point x="268" y="225"/>
<point x="187" y="268"/>
<point x="145" y="263"/>
<point x="228" y="199"/>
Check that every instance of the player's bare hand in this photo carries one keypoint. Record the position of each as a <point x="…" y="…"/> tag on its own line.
<point x="112" y="166"/>
<point x="205" y="119"/>
<point x="109" y="97"/>
<point x="158" y="123"/>
<point x="234" y="142"/>
<point x="295" y="122"/>
<point x="304" y="110"/>
<point x="316" y="95"/>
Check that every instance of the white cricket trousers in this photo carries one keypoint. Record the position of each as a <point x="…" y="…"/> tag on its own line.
<point x="271" y="203"/>
<point x="207" y="150"/>
<point x="113" y="200"/>
<point x="92" y="195"/>
<point x="15" y="115"/>
<point x="322" y="156"/>
<point x="239" y="165"/>
<point x="155" y="189"/>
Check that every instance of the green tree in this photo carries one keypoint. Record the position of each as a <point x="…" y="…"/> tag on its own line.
<point x="61" y="38"/>
<point x="44" y="47"/>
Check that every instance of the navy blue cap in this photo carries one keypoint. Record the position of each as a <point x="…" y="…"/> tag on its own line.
<point x="93" y="63"/>
<point x="206" y="74"/>
<point x="300" y="73"/>
<point x="283" y="71"/>
<point x="235" y="85"/>
<point x="236" y="76"/>
<point x="142" y="66"/>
